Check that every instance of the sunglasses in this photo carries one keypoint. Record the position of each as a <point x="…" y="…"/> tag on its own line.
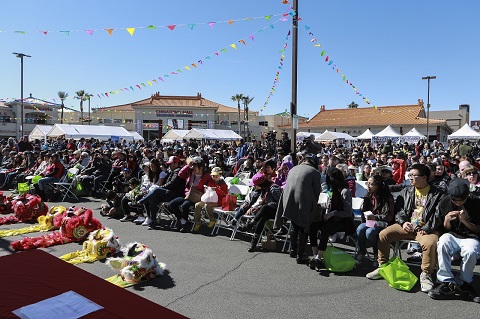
<point x="471" y="173"/>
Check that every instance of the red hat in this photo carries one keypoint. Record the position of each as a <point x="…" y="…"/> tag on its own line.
<point x="173" y="159"/>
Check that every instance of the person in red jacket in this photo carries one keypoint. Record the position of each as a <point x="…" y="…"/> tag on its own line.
<point x="221" y="189"/>
<point x="399" y="169"/>
<point x="197" y="177"/>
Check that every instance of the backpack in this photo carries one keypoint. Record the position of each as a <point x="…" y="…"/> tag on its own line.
<point x="337" y="260"/>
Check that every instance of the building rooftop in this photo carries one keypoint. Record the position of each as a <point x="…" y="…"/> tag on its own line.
<point x="157" y="100"/>
<point x="370" y="116"/>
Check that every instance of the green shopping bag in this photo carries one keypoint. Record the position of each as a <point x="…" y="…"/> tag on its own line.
<point x="398" y="275"/>
<point x="234" y="181"/>
<point x="36" y="178"/>
<point x="337" y="260"/>
<point x="23" y="188"/>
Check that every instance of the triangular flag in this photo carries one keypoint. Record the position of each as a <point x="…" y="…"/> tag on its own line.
<point x="323" y="53"/>
<point x="242" y="41"/>
<point x="143" y="84"/>
<point x="171" y="27"/>
<point x="154" y="80"/>
<point x="224" y="50"/>
<point x="231" y="22"/>
<point x="89" y="31"/>
<point x="200" y="61"/>
<point x="131" y="30"/>
<point x="233" y="46"/>
<point x="116" y="91"/>
<point x="152" y="27"/>
<point x="211" y="24"/>
<point x="106" y="94"/>
<point x="110" y="31"/>
<point x="186" y="67"/>
<point x="22" y="32"/>
<point x="98" y="96"/>
<point x="161" y="79"/>
<point x="132" y="88"/>
<point x="150" y="83"/>
<point x="307" y="27"/>
<point x="45" y="32"/>
<point x="194" y="65"/>
<point x="326" y="59"/>
<point x="179" y="70"/>
<point x="191" y="26"/>
<point x="267" y="17"/>
<point x="251" y="37"/>
<point x="138" y="86"/>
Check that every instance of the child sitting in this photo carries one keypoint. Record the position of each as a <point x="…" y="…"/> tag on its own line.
<point x="113" y="207"/>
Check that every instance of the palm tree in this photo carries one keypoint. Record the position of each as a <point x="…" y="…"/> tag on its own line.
<point x="81" y="96"/>
<point x="246" y="101"/>
<point x="352" y="105"/>
<point x="238" y="98"/>
<point x="62" y="95"/>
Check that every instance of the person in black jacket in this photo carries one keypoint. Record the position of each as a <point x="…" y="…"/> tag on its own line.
<point x="173" y="187"/>
<point x="416" y="219"/>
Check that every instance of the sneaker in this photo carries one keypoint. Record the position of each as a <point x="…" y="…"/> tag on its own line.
<point x="212" y="223"/>
<point x="445" y="290"/>
<point x="316" y="263"/>
<point x="293" y="254"/>
<point x="374" y="275"/>
<point x="359" y="258"/>
<point x="415" y="258"/>
<point x="126" y="218"/>
<point x="426" y="282"/>
<point x="332" y="238"/>
<point x="467" y="289"/>
<point x="139" y="220"/>
<point x="197" y="227"/>
<point x="147" y="222"/>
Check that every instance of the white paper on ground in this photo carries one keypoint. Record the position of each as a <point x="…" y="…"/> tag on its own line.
<point x="68" y="305"/>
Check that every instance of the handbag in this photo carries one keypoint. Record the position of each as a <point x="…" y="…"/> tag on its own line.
<point x="194" y="195"/>
<point x="229" y="202"/>
<point x="337" y="260"/>
<point x="269" y="243"/>
<point x="397" y="274"/>
<point x="210" y="196"/>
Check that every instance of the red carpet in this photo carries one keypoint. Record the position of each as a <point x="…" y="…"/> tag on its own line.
<point x="31" y="276"/>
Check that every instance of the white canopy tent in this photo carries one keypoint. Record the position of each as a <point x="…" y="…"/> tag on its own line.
<point x="413" y="136"/>
<point x="386" y="134"/>
<point x="335" y="136"/>
<point x="302" y="135"/>
<point x="103" y="133"/>
<point x="136" y="136"/>
<point x="367" y="135"/>
<point x="211" y="134"/>
<point x="39" y="132"/>
<point x="174" y="135"/>
<point x="465" y="132"/>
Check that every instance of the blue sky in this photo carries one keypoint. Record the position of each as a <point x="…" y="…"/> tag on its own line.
<point x="382" y="47"/>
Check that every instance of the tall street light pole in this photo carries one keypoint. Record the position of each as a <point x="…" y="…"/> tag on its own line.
<point x="21" y="56"/>
<point x="293" y="103"/>
<point x="89" y="118"/>
<point x="428" y="78"/>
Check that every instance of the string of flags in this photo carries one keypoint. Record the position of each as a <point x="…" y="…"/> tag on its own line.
<point x="151" y="27"/>
<point x="189" y="67"/>
<point x="277" y="74"/>
<point x="329" y="61"/>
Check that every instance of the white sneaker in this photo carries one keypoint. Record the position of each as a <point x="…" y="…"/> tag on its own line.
<point x="374" y="274"/>
<point x="147" y="222"/>
<point x="332" y="238"/>
<point x="139" y="220"/>
<point x="426" y="282"/>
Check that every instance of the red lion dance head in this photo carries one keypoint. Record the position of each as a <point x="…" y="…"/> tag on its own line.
<point x="74" y="227"/>
<point x="25" y="207"/>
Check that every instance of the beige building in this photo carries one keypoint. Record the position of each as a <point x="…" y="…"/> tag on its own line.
<point x="454" y="118"/>
<point x="354" y="121"/>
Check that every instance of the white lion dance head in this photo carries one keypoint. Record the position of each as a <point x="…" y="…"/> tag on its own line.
<point x="138" y="264"/>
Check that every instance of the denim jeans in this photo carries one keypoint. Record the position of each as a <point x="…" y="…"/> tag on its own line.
<point x="367" y="236"/>
<point x="180" y="207"/>
<point x="153" y="198"/>
<point x="449" y="245"/>
<point x="239" y="213"/>
<point x="46" y="180"/>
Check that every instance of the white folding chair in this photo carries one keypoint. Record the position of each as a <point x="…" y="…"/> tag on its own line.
<point x="361" y="188"/>
<point x="357" y="203"/>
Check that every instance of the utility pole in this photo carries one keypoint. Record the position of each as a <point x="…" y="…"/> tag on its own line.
<point x="21" y="56"/>
<point x="293" y="103"/>
<point x="428" y="78"/>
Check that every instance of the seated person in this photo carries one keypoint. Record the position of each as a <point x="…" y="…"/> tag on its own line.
<point x="113" y="207"/>
<point x="129" y="202"/>
<point x="416" y="219"/>
<point x="252" y="202"/>
<point x="221" y="188"/>
<point x="461" y="224"/>
<point x="53" y="173"/>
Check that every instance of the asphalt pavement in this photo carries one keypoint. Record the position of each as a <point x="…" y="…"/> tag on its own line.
<point x="213" y="277"/>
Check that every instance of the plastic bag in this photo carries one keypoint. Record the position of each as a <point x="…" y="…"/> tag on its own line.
<point x="337" y="260"/>
<point x="398" y="275"/>
<point x="210" y="196"/>
<point x="234" y="181"/>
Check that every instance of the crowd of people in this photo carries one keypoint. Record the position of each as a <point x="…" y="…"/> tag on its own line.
<point x="415" y="191"/>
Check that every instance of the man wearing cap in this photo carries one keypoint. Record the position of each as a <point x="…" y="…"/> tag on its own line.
<point x="461" y="224"/>
<point x="416" y="219"/>
<point x="173" y="187"/>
